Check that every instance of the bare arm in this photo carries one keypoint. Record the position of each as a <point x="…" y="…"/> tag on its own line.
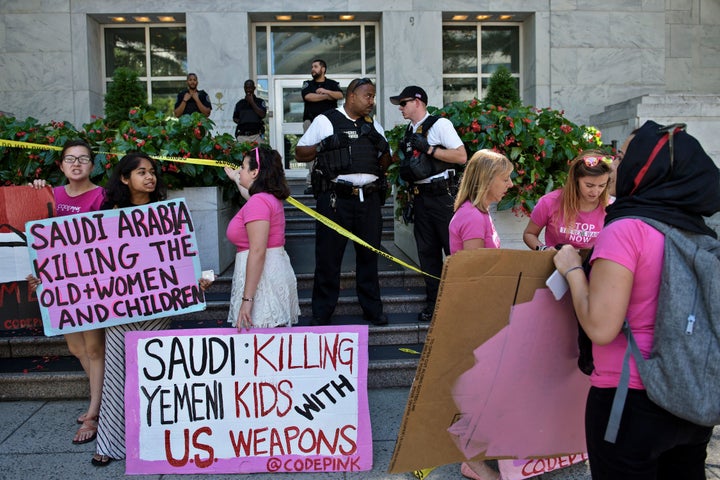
<point x="181" y="106"/>
<point x="601" y="305"/>
<point x="531" y="235"/>
<point x="201" y="107"/>
<point x="473" y="244"/>
<point x="305" y="154"/>
<point x="256" y="108"/>
<point x="258" y="232"/>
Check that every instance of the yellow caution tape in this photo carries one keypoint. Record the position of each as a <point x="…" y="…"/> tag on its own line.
<point x="194" y="161"/>
<point x="409" y="350"/>
<point x="27" y="145"/>
<point x="346" y="233"/>
<point x="215" y="163"/>
<point x="424" y="473"/>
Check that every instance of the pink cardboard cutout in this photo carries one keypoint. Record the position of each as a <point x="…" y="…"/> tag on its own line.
<point x="272" y="400"/>
<point x="506" y="409"/>
<point x="113" y="267"/>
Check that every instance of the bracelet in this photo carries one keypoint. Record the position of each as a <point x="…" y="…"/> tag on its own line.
<point x="578" y="267"/>
<point x="247" y="299"/>
<point x="541" y="247"/>
<point x="432" y="152"/>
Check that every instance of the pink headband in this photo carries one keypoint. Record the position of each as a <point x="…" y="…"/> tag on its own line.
<point x="257" y="157"/>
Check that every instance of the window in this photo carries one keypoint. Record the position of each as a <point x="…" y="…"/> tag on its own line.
<point x="348" y="49"/>
<point x="158" y="53"/>
<point x="472" y="53"/>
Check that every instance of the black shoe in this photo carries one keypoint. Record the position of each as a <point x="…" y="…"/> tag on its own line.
<point x="426" y="314"/>
<point x="308" y="191"/>
<point x="379" y="320"/>
<point x="318" y="321"/>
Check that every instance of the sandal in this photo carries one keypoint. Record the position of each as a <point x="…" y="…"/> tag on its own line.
<point x="82" y="418"/>
<point x="101" y="460"/>
<point x="87" y="432"/>
<point x="488" y="473"/>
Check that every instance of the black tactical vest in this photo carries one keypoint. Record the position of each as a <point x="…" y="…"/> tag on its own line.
<point x="362" y="152"/>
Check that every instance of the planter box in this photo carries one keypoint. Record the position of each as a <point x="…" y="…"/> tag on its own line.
<point x="210" y="215"/>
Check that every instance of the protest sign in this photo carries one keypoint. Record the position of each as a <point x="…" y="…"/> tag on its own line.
<point x="271" y="400"/>
<point x="498" y="376"/>
<point x="113" y="267"/>
<point x="529" y="468"/>
<point x="18" y="305"/>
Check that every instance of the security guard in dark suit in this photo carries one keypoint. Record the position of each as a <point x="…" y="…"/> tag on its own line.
<point x="350" y="186"/>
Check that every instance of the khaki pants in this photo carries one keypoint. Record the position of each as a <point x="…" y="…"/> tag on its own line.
<point x="257" y="138"/>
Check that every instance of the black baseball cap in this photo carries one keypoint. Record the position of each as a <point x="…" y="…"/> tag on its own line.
<point x="412" y="91"/>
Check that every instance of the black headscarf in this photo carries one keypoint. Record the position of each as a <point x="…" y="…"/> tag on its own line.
<point x="679" y="194"/>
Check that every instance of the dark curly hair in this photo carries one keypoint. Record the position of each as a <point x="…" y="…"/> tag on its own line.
<point x="271" y="172"/>
<point x="117" y="194"/>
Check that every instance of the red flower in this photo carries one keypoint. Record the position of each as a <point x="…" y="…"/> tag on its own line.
<point x="541" y="141"/>
<point x="217" y="146"/>
<point x="198" y="133"/>
<point x="51" y="139"/>
<point x="566" y="128"/>
<point x="172" y="167"/>
<point x="141" y="143"/>
<point x="133" y="111"/>
<point x="475" y="126"/>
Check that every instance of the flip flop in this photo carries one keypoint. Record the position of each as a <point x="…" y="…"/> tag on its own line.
<point x="88" y="426"/>
<point x="84" y="417"/>
<point x="101" y="460"/>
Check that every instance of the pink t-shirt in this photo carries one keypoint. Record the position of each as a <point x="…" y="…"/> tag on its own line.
<point x="639" y="248"/>
<point x="260" y="206"/>
<point x="583" y="233"/>
<point x="89" y="201"/>
<point x="469" y="223"/>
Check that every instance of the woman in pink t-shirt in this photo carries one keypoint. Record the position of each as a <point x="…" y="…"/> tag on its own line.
<point x="624" y="283"/>
<point x="486" y="180"/>
<point x="575" y="214"/>
<point x="264" y="287"/>
<point x="81" y="195"/>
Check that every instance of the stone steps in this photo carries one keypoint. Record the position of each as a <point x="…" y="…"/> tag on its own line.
<point x="41" y="367"/>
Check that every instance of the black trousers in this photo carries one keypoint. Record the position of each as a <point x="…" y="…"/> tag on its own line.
<point x="432" y="218"/>
<point x="652" y="443"/>
<point x="364" y="219"/>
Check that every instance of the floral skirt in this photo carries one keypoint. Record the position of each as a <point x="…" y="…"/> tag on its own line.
<point x="276" y="299"/>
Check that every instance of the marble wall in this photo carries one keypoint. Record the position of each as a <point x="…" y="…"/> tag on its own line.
<point x="577" y="55"/>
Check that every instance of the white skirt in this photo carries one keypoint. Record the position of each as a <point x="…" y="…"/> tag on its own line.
<point x="276" y="299"/>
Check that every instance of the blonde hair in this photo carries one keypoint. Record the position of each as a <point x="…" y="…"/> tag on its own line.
<point x="570" y="196"/>
<point x="480" y="171"/>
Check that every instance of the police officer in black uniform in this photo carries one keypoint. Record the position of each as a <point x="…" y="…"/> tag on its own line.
<point x="430" y="151"/>
<point x="350" y="187"/>
<point x="249" y="114"/>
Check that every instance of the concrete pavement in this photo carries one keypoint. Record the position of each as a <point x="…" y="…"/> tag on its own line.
<point x="35" y="443"/>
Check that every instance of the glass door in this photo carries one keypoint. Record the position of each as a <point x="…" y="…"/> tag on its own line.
<point x="287" y="124"/>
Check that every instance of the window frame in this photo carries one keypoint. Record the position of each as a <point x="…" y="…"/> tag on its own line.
<point x="148" y="78"/>
<point x="479" y="75"/>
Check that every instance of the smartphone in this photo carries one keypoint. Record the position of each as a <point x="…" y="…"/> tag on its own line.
<point x="208" y="275"/>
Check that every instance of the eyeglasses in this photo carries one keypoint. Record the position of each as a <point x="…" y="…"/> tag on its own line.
<point x="361" y="82"/>
<point x="402" y="103"/>
<point x="82" y="159"/>
<point x="593" y="161"/>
